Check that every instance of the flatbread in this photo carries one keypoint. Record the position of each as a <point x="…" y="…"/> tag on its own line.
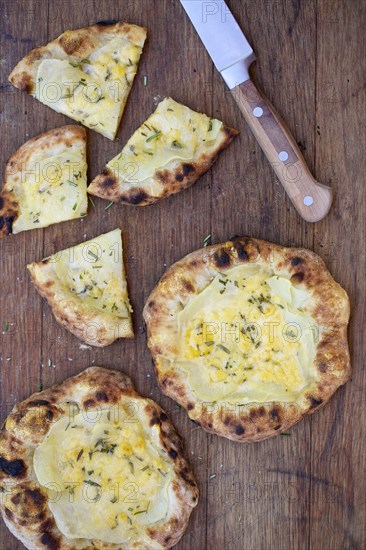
<point x="68" y="485"/>
<point x="86" y="288"/>
<point x="168" y="153"/>
<point x="45" y="181"/>
<point x="249" y="336"/>
<point x="86" y="74"/>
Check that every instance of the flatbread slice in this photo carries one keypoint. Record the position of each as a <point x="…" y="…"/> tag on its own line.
<point x="86" y="288"/>
<point x="168" y="153"/>
<point x="86" y="74"/>
<point x="249" y="336"/>
<point x="91" y="464"/>
<point x="45" y="181"/>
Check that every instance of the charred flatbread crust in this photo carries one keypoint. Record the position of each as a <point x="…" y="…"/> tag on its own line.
<point x="173" y="178"/>
<point x="178" y="174"/>
<point x="24" y="503"/>
<point x="74" y="46"/>
<point x="329" y="308"/>
<point x="67" y="137"/>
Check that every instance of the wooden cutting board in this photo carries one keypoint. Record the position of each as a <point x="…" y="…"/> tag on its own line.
<point x="306" y="490"/>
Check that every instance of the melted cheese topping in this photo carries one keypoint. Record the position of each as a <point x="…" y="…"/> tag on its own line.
<point x="105" y="477"/>
<point x="94" y="271"/>
<point x="51" y="188"/>
<point x="172" y="132"/>
<point x="94" y="90"/>
<point x="247" y="337"/>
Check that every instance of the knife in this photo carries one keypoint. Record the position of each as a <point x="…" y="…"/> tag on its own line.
<point x="232" y="56"/>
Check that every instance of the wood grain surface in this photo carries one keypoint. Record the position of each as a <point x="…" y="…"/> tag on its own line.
<point x="304" y="491"/>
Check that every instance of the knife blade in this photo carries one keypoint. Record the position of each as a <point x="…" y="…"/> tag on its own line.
<point x="213" y="20"/>
<point x="232" y="55"/>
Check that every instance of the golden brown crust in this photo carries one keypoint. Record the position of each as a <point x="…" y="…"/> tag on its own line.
<point x="67" y="136"/>
<point x="329" y="308"/>
<point x="93" y="327"/>
<point x="24" y="504"/>
<point x="75" y="44"/>
<point x="89" y="324"/>
<point x="175" y="177"/>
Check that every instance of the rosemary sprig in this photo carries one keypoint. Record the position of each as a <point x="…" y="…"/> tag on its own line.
<point x="92" y="483"/>
<point x="207" y="241"/>
<point x="154" y="136"/>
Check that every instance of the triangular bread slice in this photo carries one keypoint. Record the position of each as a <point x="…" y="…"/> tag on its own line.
<point x="168" y="153"/>
<point x="86" y="74"/>
<point x="86" y="288"/>
<point x="45" y="181"/>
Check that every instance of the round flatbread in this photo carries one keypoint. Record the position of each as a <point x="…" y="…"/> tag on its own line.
<point x="90" y="464"/>
<point x="249" y="336"/>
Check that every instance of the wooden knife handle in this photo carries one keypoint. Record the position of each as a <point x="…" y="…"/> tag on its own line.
<point x="311" y="199"/>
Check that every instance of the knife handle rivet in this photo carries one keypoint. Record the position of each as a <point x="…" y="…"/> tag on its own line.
<point x="283" y="155"/>
<point x="308" y="200"/>
<point x="258" y="112"/>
